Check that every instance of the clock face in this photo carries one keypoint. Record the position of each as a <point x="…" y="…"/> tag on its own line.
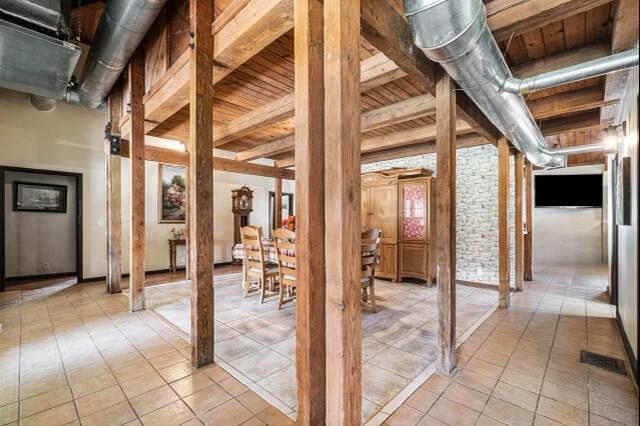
<point x="244" y="202"/>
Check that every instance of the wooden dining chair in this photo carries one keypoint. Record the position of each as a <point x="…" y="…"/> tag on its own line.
<point x="285" y="242"/>
<point x="254" y="265"/>
<point x="369" y="242"/>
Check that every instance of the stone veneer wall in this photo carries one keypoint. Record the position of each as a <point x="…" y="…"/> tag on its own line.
<point x="477" y="208"/>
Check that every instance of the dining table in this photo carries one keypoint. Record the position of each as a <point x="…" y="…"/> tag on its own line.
<point x="268" y="247"/>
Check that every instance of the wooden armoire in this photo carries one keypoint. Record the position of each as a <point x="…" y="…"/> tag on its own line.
<point x="401" y="203"/>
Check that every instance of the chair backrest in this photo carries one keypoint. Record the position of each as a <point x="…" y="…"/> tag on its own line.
<point x="251" y="237"/>
<point x="369" y="242"/>
<point x="285" y="242"/>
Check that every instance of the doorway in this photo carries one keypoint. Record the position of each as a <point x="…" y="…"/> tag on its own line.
<point x="40" y="225"/>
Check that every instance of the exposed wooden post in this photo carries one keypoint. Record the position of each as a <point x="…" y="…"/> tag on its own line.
<point x="114" y="192"/>
<point x="446" y="219"/>
<point x="342" y="210"/>
<point x="136" y="147"/>
<point x="201" y="182"/>
<point x="309" y="162"/>
<point x="503" y="222"/>
<point x="519" y="225"/>
<point x="277" y="204"/>
<point x="528" y="236"/>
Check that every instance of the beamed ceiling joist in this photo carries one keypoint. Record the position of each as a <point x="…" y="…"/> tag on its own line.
<point x="398" y="112"/>
<point x="623" y="37"/>
<point x="180" y="158"/>
<point x="246" y="27"/>
<point x="374" y="72"/>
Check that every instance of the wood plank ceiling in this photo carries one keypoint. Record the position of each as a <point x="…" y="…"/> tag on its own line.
<point x="268" y="76"/>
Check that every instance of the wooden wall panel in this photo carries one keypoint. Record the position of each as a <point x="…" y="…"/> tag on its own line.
<point x="178" y="29"/>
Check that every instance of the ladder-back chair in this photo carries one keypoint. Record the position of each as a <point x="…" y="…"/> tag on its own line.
<point x="369" y="242"/>
<point x="285" y="242"/>
<point x="254" y="265"/>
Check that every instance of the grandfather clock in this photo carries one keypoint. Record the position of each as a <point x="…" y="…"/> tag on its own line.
<point x="241" y="205"/>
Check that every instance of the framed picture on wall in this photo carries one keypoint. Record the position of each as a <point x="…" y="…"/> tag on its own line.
<point x="39" y="197"/>
<point x="172" y="194"/>
<point x="623" y="192"/>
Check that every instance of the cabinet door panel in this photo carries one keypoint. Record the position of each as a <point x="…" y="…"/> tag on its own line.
<point x="365" y="209"/>
<point x="384" y="206"/>
<point x="414" y="260"/>
<point x="387" y="267"/>
<point x="413" y="212"/>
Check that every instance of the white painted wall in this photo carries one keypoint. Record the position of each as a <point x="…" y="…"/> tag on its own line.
<point x="569" y="236"/>
<point x="71" y="139"/>
<point x="39" y="242"/>
<point x="628" y="237"/>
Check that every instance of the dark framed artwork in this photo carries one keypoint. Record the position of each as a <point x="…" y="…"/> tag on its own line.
<point x="172" y="195"/>
<point x="623" y="192"/>
<point x="39" y="197"/>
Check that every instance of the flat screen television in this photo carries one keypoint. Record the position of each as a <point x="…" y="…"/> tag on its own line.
<point x="568" y="190"/>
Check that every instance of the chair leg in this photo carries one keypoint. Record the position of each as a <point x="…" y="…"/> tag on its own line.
<point x="373" y="295"/>
<point x="281" y="296"/>
<point x="262" y="290"/>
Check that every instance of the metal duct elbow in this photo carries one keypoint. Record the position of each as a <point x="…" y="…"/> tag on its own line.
<point x="455" y="34"/>
<point x="617" y="62"/>
<point x="122" y="27"/>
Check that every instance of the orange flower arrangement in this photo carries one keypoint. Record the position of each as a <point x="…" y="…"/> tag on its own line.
<point x="289" y="222"/>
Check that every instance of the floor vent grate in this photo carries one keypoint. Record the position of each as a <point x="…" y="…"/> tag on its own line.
<point x="605" y="362"/>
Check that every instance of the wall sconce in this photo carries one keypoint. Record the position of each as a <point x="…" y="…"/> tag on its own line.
<point x="612" y="139"/>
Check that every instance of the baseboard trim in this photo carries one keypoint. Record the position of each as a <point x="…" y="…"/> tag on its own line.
<point x="153" y="272"/>
<point x="25" y="278"/>
<point x="633" y="362"/>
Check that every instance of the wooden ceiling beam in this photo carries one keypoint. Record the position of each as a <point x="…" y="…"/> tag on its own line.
<point x="397" y="139"/>
<point x="180" y="158"/>
<point x="624" y="36"/>
<point x="387" y="30"/>
<point x="549" y="63"/>
<point x="374" y="71"/>
<point x="507" y="17"/>
<point x="408" y="137"/>
<point x="399" y="112"/>
<point x="568" y="102"/>
<point x="584" y="121"/>
<point x="251" y="28"/>
<point x="463" y="141"/>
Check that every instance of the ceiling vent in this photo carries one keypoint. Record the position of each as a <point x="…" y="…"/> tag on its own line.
<point x="36" y="55"/>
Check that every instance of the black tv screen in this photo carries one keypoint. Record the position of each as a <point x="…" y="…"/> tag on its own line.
<point x="569" y="190"/>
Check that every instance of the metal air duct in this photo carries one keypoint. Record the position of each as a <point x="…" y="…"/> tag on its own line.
<point x="122" y="27"/>
<point x="455" y="34"/>
<point x="617" y="62"/>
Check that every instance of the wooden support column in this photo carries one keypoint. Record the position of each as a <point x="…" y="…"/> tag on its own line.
<point x="201" y="182"/>
<point x="310" y="230"/>
<point x="528" y="236"/>
<point x="503" y="222"/>
<point x="446" y="219"/>
<point x="136" y="185"/>
<point x="519" y="225"/>
<point x="277" y="204"/>
<point x="114" y="193"/>
<point x="342" y="210"/>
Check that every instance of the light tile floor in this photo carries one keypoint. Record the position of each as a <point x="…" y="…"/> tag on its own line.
<point x="72" y="354"/>
<point x="522" y="366"/>
<point x="256" y="342"/>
